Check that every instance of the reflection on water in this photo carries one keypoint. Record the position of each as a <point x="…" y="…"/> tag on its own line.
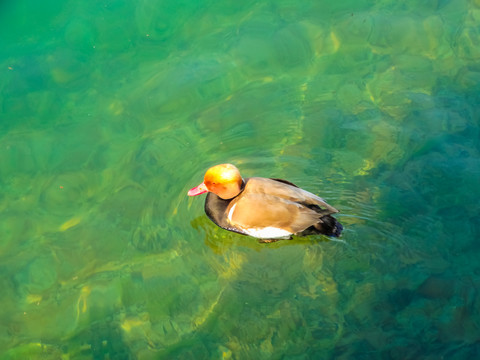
<point x="110" y="112"/>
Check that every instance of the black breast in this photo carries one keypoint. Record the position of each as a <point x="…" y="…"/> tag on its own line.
<point x="216" y="210"/>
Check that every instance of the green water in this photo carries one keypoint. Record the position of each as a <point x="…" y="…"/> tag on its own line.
<point x="111" y="110"/>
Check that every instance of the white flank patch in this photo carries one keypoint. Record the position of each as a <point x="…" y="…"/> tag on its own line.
<point x="267" y="233"/>
<point x="230" y="213"/>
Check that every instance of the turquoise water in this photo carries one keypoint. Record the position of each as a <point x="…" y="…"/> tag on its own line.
<point x="110" y="111"/>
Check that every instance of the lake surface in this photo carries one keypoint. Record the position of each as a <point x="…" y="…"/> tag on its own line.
<point x="111" y="110"/>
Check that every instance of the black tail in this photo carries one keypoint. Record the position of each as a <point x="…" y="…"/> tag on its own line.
<point x="329" y="226"/>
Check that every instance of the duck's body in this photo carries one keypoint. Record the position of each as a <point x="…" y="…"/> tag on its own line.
<point x="264" y="208"/>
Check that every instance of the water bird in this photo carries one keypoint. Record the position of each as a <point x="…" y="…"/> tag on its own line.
<point x="265" y="208"/>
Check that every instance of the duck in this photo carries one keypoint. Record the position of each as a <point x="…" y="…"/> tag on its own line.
<point x="268" y="209"/>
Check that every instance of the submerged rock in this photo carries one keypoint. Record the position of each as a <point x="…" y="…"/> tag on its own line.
<point x="436" y="287"/>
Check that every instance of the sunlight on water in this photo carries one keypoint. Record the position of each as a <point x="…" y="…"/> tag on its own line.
<point x="110" y="111"/>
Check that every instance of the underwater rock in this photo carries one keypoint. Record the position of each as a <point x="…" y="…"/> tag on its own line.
<point x="354" y="28"/>
<point x="436" y="287"/>
<point x="466" y="44"/>
<point x="65" y="193"/>
<point x="80" y="34"/>
<point x="17" y="155"/>
<point x="292" y="47"/>
<point x="37" y="277"/>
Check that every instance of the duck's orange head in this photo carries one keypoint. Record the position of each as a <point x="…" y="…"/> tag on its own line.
<point x="223" y="180"/>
